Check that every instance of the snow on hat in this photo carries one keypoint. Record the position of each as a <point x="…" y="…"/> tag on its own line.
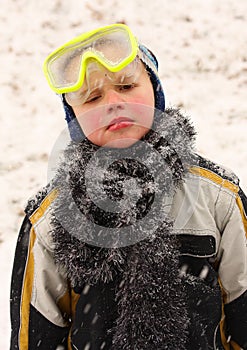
<point x="151" y="64"/>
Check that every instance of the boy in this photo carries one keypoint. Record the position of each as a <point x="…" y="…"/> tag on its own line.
<point x="138" y="242"/>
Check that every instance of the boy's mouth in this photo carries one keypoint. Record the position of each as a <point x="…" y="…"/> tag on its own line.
<point x="119" y="123"/>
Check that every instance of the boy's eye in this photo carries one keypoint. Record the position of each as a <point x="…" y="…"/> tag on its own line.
<point x="96" y="95"/>
<point x="93" y="98"/>
<point x="126" y="86"/>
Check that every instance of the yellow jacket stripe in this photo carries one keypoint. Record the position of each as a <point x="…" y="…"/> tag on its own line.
<point x="27" y="294"/>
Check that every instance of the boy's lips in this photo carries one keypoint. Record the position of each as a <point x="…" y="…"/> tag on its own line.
<point x="119" y="123"/>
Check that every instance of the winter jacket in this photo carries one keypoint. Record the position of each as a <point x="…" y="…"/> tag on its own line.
<point x="50" y="311"/>
<point x="43" y="305"/>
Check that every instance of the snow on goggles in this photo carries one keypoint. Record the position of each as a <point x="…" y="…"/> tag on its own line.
<point x="113" y="46"/>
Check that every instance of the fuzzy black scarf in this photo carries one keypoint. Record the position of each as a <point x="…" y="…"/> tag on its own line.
<point x="111" y="218"/>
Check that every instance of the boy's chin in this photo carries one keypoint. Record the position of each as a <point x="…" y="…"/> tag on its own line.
<point x="120" y="143"/>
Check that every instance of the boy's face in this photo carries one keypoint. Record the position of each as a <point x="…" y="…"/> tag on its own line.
<point x="117" y="113"/>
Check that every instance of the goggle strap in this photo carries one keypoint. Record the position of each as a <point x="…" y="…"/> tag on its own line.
<point x="148" y="59"/>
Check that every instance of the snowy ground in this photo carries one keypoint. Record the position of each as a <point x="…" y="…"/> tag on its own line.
<point x="201" y="47"/>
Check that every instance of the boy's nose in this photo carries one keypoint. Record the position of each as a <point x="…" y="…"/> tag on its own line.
<point x="113" y="97"/>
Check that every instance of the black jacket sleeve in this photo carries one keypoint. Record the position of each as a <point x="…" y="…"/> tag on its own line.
<point x="39" y="332"/>
<point x="236" y="320"/>
<point x="236" y="311"/>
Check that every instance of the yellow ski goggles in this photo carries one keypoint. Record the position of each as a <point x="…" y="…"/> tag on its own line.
<point x="113" y="46"/>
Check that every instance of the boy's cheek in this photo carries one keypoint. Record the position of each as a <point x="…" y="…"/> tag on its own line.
<point x="89" y="122"/>
<point x="143" y="114"/>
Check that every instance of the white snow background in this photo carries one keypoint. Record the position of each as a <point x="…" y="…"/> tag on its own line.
<point x="202" y="51"/>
